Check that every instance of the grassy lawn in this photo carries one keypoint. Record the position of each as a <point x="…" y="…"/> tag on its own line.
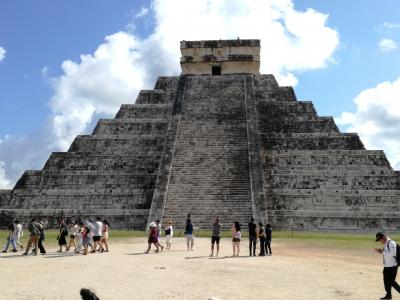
<point x="317" y="239"/>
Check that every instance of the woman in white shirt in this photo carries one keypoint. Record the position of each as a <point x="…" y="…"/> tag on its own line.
<point x="169" y="233"/>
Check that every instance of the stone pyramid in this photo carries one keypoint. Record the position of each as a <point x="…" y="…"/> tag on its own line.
<point x="218" y="140"/>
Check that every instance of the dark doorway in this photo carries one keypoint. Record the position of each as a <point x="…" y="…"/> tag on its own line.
<point x="216" y="70"/>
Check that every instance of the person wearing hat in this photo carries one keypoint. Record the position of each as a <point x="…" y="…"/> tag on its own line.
<point x="389" y="263"/>
<point x="152" y="237"/>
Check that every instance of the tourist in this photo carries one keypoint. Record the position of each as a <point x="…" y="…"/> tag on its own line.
<point x="189" y="234"/>
<point x="79" y="241"/>
<point x="215" y="236"/>
<point x="88" y="295"/>
<point x="169" y="233"/>
<point x="390" y="264"/>
<point x="63" y="233"/>
<point x="85" y="238"/>
<point x="10" y="239"/>
<point x="152" y="238"/>
<point x="104" y="236"/>
<point x="33" y="237"/>
<point x="252" y="237"/>
<point x="18" y="233"/>
<point x="261" y="236"/>
<point x="40" y="226"/>
<point x="268" y="239"/>
<point x="72" y="235"/>
<point x="98" y="231"/>
<point x="236" y="236"/>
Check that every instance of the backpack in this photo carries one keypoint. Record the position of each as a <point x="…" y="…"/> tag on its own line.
<point x="397" y="257"/>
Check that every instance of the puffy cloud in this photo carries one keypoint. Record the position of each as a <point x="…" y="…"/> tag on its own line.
<point x="386" y="45"/>
<point x="291" y="41"/>
<point x="4" y="182"/>
<point x="377" y="119"/>
<point x="2" y="53"/>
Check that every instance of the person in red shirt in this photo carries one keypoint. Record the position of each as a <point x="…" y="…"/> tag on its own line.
<point x="152" y="237"/>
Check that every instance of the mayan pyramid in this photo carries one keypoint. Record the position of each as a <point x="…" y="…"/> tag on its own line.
<point x="218" y="140"/>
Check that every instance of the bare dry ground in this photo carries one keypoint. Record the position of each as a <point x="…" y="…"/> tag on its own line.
<point x="297" y="270"/>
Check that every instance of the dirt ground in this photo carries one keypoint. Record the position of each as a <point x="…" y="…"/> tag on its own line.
<point x="295" y="271"/>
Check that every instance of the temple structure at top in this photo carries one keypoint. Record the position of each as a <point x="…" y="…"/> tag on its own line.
<point x="220" y="57"/>
<point x="218" y="140"/>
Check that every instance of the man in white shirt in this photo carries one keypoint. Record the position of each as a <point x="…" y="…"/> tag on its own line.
<point x="97" y="234"/>
<point x="389" y="264"/>
<point x="18" y="233"/>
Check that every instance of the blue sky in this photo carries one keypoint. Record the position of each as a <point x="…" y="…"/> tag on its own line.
<point x="49" y="92"/>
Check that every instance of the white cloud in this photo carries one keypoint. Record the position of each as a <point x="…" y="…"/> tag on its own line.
<point x="2" y="53"/>
<point x="386" y="45"/>
<point x="4" y="182"/>
<point x="377" y="119"/>
<point x="144" y="11"/>
<point x="291" y="41"/>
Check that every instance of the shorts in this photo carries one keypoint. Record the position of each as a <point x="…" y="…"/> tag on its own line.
<point x="72" y="236"/>
<point x="235" y="240"/>
<point x="168" y="238"/>
<point x="96" y="238"/>
<point x="215" y="239"/>
<point x="190" y="238"/>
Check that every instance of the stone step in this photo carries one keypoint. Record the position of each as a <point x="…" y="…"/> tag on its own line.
<point x="311" y="141"/>
<point x="125" y="126"/>
<point x="148" y="111"/>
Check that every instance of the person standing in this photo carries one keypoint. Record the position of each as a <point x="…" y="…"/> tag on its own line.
<point x="104" y="236"/>
<point x="236" y="237"/>
<point x="268" y="239"/>
<point x="33" y="237"/>
<point x="189" y="234"/>
<point x="97" y="235"/>
<point x="215" y="237"/>
<point x="169" y="233"/>
<point x="63" y="232"/>
<point x="10" y="239"/>
<point x="261" y="236"/>
<point x="389" y="263"/>
<point x="85" y="238"/>
<point x="79" y="241"/>
<point x="18" y="233"/>
<point x="252" y="237"/>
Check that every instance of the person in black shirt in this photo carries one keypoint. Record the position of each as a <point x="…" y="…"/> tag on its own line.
<point x="268" y="238"/>
<point x="261" y="236"/>
<point x="252" y="237"/>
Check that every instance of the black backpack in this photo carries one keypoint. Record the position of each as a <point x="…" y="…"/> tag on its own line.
<point x="397" y="257"/>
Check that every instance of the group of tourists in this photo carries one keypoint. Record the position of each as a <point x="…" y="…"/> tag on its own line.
<point x="80" y="235"/>
<point x="264" y="234"/>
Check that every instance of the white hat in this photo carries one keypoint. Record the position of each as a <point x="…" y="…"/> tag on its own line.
<point x="152" y="224"/>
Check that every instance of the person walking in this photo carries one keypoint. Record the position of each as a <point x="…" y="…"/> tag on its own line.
<point x="104" y="236"/>
<point x="85" y="238"/>
<point x="152" y="238"/>
<point x="390" y="264"/>
<point x="169" y="233"/>
<point x="215" y="236"/>
<point x="268" y="239"/>
<point x="72" y="235"/>
<point x="63" y="233"/>
<point x="261" y="236"/>
<point x="97" y="235"/>
<point x="252" y="237"/>
<point x="189" y="234"/>
<point x="79" y="241"/>
<point x="236" y="237"/>
<point x="18" y="233"/>
<point x="10" y="239"/>
<point x="40" y="226"/>
<point x="33" y="237"/>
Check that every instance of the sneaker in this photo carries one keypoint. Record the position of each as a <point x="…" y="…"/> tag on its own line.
<point x="386" y="297"/>
<point x="211" y="255"/>
<point x="24" y="253"/>
<point x="4" y="251"/>
<point x="15" y="250"/>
